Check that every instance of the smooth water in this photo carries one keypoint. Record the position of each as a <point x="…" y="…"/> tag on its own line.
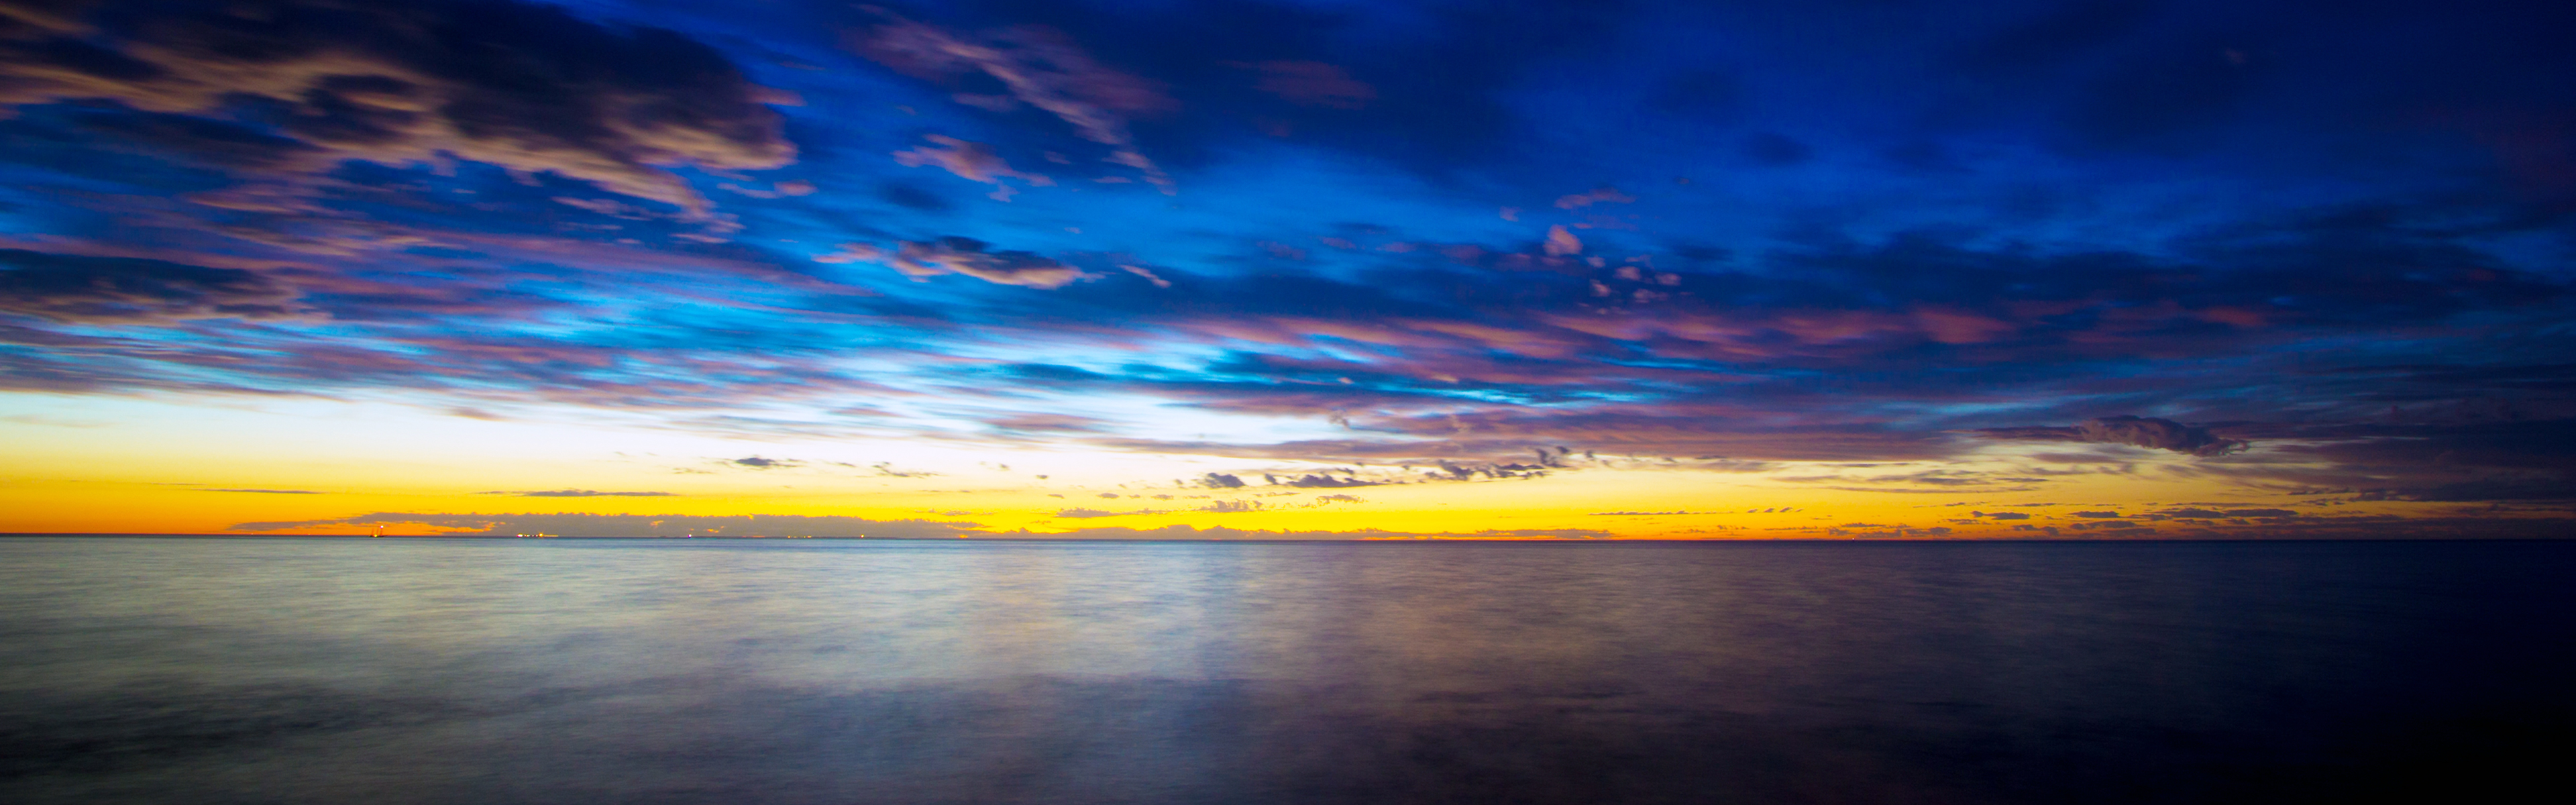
<point x="220" y="670"/>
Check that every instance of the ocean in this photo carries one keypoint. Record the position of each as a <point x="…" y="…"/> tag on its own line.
<point x="458" y="670"/>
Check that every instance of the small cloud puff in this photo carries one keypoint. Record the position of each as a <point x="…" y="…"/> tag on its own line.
<point x="1149" y="276"/>
<point x="1561" y="242"/>
<point x="956" y="255"/>
<point x="971" y="161"/>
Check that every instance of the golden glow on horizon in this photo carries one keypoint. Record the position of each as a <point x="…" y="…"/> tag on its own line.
<point x="126" y="465"/>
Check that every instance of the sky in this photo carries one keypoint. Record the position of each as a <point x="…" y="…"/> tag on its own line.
<point x="1322" y="269"/>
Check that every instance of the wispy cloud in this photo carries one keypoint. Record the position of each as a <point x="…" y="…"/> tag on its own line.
<point x="377" y="84"/>
<point x="1036" y="66"/>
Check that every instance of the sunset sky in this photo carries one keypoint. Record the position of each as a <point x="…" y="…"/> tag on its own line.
<point x="1320" y="269"/>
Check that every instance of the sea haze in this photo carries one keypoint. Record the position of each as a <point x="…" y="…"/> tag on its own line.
<point x="224" y="670"/>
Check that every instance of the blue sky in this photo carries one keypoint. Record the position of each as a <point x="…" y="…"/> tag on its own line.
<point x="2332" y="238"/>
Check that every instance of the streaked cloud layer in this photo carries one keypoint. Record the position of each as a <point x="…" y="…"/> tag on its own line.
<point x="1445" y="269"/>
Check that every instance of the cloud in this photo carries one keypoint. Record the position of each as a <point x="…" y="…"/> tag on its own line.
<point x="266" y="491"/>
<point x="2453" y="452"/>
<point x="1313" y="84"/>
<point x="585" y="493"/>
<point x="1561" y="243"/>
<point x="970" y="161"/>
<point x="2261" y="513"/>
<point x="629" y="525"/>
<point x="1218" y="480"/>
<point x="1149" y="276"/>
<point x="1601" y="195"/>
<point x="784" y="525"/>
<point x="758" y="463"/>
<point x="2217" y="514"/>
<point x="1936" y="477"/>
<point x="956" y="255"/>
<point x="2162" y="434"/>
<point x="1048" y="423"/>
<point x="1036" y="66"/>
<point x="1080" y="513"/>
<point x="1323" y="482"/>
<point x="2150" y="432"/>
<point x="526" y="87"/>
<point x="82" y="288"/>
<point x="885" y="469"/>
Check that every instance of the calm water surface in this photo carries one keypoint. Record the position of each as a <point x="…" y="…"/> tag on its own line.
<point x="221" y="670"/>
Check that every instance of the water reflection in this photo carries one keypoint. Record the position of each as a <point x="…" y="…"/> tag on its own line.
<point x="435" y="671"/>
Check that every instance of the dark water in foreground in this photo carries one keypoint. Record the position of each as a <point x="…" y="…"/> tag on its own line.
<point x="618" y="671"/>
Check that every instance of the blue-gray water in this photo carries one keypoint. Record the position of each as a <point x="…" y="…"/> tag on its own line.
<point x="209" y="670"/>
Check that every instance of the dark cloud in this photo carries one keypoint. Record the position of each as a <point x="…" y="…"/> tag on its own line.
<point x="2484" y="489"/>
<point x="1322" y="482"/>
<point x="2216" y="514"/>
<point x="2152" y="432"/>
<point x="2431" y="461"/>
<point x="2161" y="434"/>
<point x="526" y="87"/>
<point x="82" y="288"/>
<point x="758" y="463"/>
<point x="2548" y="444"/>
